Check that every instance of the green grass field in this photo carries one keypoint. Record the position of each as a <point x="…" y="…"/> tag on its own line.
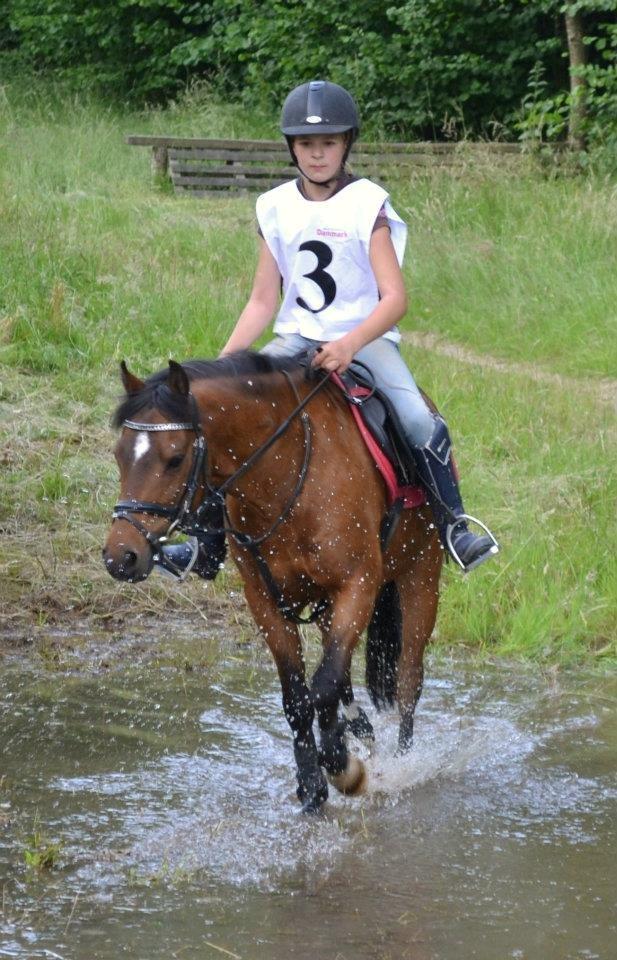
<point x="97" y="264"/>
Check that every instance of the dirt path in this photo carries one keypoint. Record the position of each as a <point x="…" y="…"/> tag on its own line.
<point x="604" y="390"/>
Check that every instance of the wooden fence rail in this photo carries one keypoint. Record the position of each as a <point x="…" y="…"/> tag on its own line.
<point x="206" y="167"/>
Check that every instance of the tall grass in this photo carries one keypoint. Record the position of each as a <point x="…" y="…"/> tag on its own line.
<point x="517" y="265"/>
<point x="97" y="264"/>
<point x="535" y="463"/>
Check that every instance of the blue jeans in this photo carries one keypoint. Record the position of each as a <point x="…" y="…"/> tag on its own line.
<point x="392" y="377"/>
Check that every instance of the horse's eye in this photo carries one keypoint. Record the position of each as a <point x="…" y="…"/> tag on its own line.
<point x="175" y="461"/>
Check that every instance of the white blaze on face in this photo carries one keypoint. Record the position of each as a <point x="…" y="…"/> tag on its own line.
<point x="142" y="445"/>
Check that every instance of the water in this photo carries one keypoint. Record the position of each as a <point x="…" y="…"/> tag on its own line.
<point x="169" y="798"/>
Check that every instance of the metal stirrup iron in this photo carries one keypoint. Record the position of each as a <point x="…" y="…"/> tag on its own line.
<point x="465" y="518"/>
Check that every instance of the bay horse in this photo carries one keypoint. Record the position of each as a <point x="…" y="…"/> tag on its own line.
<point x="303" y="505"/>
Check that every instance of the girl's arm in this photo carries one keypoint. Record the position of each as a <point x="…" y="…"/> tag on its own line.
<point x="261" y="304"/>
<point x="338" y="354"/>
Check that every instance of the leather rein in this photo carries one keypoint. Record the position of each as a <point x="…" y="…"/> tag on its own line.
<point x="195" y="521"/>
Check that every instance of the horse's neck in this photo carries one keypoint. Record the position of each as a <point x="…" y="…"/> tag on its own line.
<point x="238" y="417"/>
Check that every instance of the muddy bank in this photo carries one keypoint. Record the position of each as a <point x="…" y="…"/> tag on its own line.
<point x="185" y="638"/>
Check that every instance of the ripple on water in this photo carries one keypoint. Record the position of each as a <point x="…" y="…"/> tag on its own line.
<point x="494" y="826"/>
<point x="230" y="812"/>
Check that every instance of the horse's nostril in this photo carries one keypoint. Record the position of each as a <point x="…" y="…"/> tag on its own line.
<point x="127" y="565"/>
<point x="129" y="560"/>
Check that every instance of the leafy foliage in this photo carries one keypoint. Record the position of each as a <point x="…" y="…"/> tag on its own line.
<point x="546" y="109"/>
<point x="427" y="68"/>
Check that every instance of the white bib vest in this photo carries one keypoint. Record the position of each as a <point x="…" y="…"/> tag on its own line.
<point x="322" y="252"/>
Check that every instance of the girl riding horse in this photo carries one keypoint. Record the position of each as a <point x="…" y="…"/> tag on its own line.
<point x="330" y="254"/>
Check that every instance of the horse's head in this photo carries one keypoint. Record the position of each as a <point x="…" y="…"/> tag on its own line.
<point x="160" y="458"/>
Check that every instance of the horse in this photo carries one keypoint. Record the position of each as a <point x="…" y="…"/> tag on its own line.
<point x="303" y="505"/>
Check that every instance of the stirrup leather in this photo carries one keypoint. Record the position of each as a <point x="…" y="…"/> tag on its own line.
<point x="465" y="518"/>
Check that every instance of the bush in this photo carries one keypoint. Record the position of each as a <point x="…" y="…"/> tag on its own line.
<point x="419" y="68"/>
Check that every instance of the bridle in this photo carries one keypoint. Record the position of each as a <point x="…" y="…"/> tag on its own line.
<point x="182" y="517"/>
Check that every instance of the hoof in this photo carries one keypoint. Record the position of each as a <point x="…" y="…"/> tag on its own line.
<point x="352" y="781"/>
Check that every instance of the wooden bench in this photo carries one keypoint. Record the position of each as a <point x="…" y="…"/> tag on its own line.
<point x="205" y="167"/>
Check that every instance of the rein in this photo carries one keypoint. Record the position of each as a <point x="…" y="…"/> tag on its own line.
<point x="181" y="517"/>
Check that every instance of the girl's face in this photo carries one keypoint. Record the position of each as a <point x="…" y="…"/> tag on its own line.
<point x="320" y="155"/>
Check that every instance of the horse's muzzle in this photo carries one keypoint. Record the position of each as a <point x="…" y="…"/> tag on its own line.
<point x="128" y="565"/>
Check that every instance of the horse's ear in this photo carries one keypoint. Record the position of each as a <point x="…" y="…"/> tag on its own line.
<point x="178" y="380"/>
<point x="131" y="383"/>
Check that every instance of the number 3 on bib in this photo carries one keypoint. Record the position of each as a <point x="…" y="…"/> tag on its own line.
<point x="324" y="280"/>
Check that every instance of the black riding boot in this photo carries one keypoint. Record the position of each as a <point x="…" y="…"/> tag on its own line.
<point x="204" y="553"/>
<point x="436" y="471"/>
<point x="204" y="556"/>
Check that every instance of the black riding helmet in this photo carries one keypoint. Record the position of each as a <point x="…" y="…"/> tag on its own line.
<point x="319" y="107"/>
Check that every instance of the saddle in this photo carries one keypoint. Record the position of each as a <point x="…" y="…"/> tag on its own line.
<point x="382" y="432"/>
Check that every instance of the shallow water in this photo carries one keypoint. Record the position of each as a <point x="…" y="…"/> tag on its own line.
<point x="171" y="797"/>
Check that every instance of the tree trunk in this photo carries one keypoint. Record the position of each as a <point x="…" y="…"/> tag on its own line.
<point x="578" y="59"/>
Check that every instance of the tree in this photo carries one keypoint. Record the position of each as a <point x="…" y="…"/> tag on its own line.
<point x="578" y="86"/>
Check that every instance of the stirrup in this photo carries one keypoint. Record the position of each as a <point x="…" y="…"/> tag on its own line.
<point x="494" y="549"/>
<point x="167" y="568"/>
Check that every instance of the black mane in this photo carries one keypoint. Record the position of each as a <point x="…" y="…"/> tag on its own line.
<point x="156" y="393"/>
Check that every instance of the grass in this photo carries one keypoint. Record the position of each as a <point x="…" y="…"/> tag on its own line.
<point x="99" y="265"/>
<point x="519" y="267"/>
<point x="41" y="853"/>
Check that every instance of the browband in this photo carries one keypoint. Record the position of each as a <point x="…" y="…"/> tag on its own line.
<point x="157" y="427"/>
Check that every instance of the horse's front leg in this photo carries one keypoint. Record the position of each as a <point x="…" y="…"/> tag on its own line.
<point x="284" y="642"/>
<point x="349" y="614"/>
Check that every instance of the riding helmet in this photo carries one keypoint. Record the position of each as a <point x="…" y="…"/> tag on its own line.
<point x="319" y="107"/>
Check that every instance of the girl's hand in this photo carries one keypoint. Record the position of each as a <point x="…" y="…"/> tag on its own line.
<point x="334" y="356"/>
